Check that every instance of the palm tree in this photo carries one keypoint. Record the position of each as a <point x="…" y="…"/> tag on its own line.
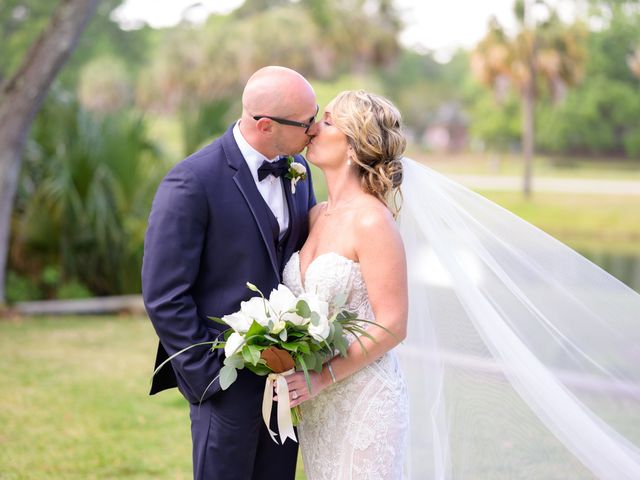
<point x="359" y="34"/>
<point x="84" y="196"/>
<point x="541" y="52"/>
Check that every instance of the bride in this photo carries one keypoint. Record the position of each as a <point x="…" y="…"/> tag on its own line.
<point x="520" y="357"/>
<point x="358" y="427"/>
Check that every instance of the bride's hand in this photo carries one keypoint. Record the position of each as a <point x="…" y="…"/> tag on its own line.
<point x="298" y="389"/>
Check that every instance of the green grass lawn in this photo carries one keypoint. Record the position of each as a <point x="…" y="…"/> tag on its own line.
<point x="584" y="222"/>
<point x="74" y="403"/>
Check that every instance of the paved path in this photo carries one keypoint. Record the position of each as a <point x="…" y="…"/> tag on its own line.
<point x="97" y="305"/>
<point x="550" y="184"/>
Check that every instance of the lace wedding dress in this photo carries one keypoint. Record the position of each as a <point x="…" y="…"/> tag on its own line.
<point x="357" y="428"/>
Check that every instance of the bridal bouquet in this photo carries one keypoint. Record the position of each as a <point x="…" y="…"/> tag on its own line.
<point x="281" y="334"/>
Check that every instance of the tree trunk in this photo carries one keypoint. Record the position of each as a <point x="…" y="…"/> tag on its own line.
<point x="528" y="132"/>
<point x="21" y="98"/>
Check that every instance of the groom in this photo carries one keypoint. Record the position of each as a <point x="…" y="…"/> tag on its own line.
<point x="224" y="216"/>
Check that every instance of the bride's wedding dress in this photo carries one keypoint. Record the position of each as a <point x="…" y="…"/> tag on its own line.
<point x="357" y="428"/>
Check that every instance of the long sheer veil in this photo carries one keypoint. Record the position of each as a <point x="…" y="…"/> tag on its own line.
<point x="522" y="357"/>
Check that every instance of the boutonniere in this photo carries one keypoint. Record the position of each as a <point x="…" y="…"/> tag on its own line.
<point x="295" y="173"/>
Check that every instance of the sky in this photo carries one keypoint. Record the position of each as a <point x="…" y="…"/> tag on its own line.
<point x="431" y="25"/>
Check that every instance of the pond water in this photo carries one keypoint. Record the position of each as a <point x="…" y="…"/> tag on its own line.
<point x="625" y="267"/>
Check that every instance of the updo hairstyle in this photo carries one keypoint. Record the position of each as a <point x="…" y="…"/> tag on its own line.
<point x="372" y="126"/>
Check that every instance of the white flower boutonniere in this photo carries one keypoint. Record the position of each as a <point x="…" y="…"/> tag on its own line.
<point x="296" y="173"/>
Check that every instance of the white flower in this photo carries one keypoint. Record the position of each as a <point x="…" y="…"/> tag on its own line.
<point x="315" y="304"/>
<point x="298" y="168"/>
<point x="278" y="326"/>
<point x="238" y="321"/>
<point x="297" y="172"/>
<point x="233" y="344"/>
<point x="322" y="330"/>
<point x="254" y="308"/>
<point x="282" y="300"/>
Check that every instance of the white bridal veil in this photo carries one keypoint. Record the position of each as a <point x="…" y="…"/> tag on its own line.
<point x="522" y="358"/>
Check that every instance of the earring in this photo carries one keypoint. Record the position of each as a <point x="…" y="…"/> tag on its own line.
<point x="349" y="157"/>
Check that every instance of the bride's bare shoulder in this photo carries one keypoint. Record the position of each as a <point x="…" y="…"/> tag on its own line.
<point x="378" y="240"/>
<point x="374" y="218"/>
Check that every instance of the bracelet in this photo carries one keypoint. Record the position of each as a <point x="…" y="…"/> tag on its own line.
<point x="333" y="377"/>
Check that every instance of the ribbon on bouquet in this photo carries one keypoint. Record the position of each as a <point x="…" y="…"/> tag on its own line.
<point x="285" y="424"/>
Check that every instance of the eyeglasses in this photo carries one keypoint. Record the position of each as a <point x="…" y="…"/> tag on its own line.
<point x="293" y="123"/>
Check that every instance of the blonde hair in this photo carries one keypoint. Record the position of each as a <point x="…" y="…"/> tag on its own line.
<point x="371" y="124"/>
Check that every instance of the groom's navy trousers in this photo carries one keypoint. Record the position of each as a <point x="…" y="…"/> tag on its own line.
<point x="210" y="232"/>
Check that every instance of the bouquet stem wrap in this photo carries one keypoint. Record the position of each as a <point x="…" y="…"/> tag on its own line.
<point x="285" y="423"/>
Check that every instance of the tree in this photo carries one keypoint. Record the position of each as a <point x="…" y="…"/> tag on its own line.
<point x="633" y="61"/>
<point x="602" y="115"/>
<point x="545" y="51"/>
<point x="21" y="96"/>
<point x="21" y="22"/>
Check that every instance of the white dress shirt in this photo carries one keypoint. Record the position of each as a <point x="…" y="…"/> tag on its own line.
<point x="271" y="188"/>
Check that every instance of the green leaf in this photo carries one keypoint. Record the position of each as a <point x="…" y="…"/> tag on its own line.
<point x="218" y="320"/>
<point x="338" y="331"/>
<point x="234" y="361"/>
<point x="228" y="375"/>
<point x="291" y="346"/>
<point x="214" y="344"/>
<point x="309" y="360"/>
<point x="318" y="362"/>
<point x="251" y="354"/>
<point x="306" y="373"/>
<point x="296" y="333"/>
<point x="296" y="346"/>
<point x="379" y="326"/>
<point x="346" y="316"/>
<point x="359" y="340"/>
<point x="341" y="344"/>
<point x="255" y="330"/>
<point x="302" y="309"/>
<point x="259" y="369"/>
<point x="304" y="348"/>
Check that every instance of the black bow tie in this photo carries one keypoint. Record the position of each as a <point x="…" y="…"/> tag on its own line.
<point x="277" y="168"/>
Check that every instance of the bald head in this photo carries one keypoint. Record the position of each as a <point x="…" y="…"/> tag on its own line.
<point x="277" y="91"/>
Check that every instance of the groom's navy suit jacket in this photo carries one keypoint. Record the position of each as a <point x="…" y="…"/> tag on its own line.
<point x="209" y="233"/>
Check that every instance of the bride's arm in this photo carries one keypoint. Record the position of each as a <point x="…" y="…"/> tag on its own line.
<point x="382" y="262"/>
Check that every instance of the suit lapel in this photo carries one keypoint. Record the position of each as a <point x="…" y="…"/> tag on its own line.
<point x="294" y="223"/>
<point x="247" y="186"/>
